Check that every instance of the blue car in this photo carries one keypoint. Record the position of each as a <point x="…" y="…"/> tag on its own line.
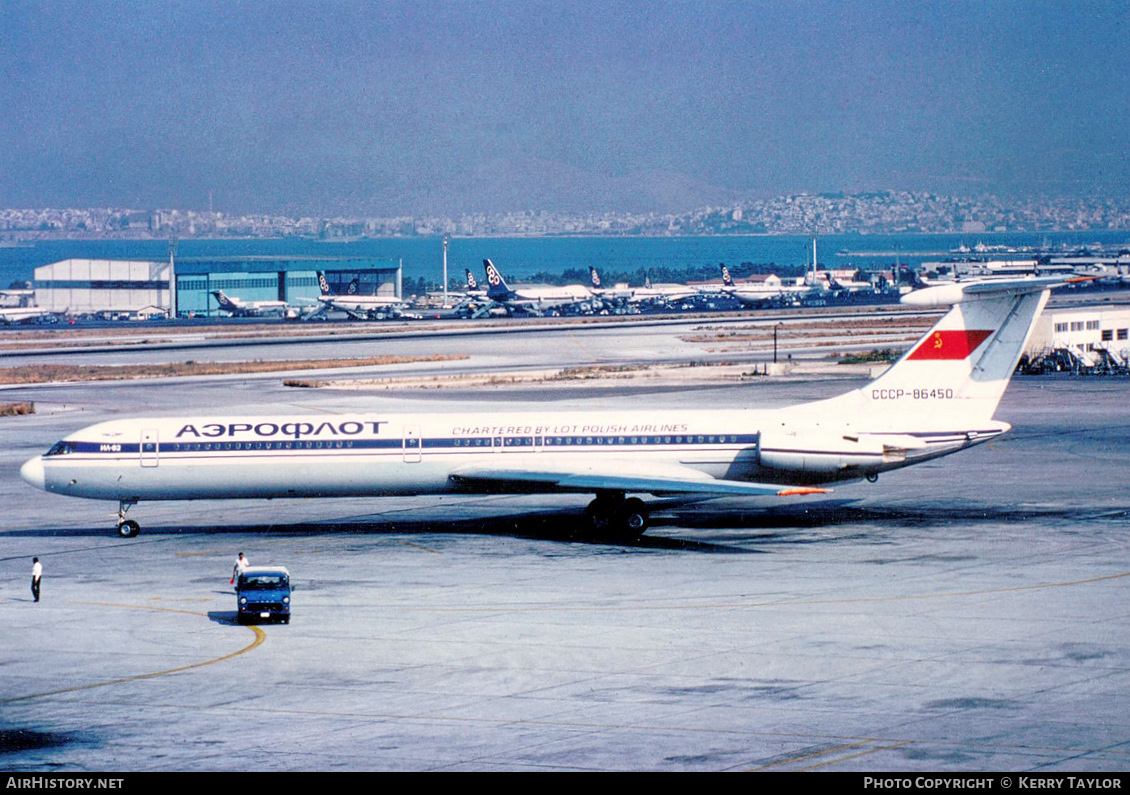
<point x="263" y="593"/>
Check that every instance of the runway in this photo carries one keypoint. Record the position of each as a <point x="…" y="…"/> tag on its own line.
<point x="967" y="614"/>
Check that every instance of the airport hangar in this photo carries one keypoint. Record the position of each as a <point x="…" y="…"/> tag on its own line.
<point x="183" y="287"/>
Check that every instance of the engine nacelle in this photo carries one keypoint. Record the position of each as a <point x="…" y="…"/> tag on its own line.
<point x="830" y="454"/>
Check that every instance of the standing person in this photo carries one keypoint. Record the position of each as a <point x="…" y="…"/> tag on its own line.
<point x="36" y="576"/>
<point x="241" y="563"/>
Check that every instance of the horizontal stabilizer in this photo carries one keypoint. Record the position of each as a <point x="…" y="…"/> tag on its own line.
<point x="956" y="292"/>
<point x="650" y="480"/>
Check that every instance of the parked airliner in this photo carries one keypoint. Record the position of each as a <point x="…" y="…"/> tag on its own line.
<point x="617" y="294"/>
<point x="757" y="294"/>
<point x="534" y="300"/>
<point x="360" y="307"/>
<point x="471" y="292"/>
<point x="939" y="398"/>
<point x="240" y="308"/>
<point x="665" y="294"/>
<point x="472" y="285"/>
<point x="26" y="314"/>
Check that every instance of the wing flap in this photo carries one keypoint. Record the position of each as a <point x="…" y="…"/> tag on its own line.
<point x="626" y="476"/>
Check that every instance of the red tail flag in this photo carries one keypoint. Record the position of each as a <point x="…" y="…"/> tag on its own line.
<point x="950" y="344"/>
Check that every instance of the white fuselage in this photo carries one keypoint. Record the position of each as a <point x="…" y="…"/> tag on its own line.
<point x="376" y="454"/>
<point x="665" y="293"/>
<point x="362" y="303"/>
<point x="261" y="306"/>
<point x="548" y="297"/>
<point x="754" y="293"/>
<point x="21" y="313"/>
<point x="237" y="307"/>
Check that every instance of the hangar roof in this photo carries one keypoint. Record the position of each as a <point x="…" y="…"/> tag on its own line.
<point x="269" y="264"/>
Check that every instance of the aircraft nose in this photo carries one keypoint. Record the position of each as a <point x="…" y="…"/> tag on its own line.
<point x="33" y="473"/>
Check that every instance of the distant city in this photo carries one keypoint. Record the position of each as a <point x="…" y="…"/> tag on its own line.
<point x="888" y="212"/>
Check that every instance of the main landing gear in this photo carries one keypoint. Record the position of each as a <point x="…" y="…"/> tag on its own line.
<point x="610" y="515"/>
<point x="127" y="528"/>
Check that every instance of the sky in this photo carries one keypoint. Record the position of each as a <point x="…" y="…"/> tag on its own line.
<point x="446" y="107"/>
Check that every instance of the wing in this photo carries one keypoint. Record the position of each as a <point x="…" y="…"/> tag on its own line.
<point x="627" y="476"/>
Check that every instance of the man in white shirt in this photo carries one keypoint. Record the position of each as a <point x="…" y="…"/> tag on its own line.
<point x="36" y="576"/>
<point x="241" y="563"/>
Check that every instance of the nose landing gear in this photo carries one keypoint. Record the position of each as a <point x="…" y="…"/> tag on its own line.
<point x="127" y="528"/>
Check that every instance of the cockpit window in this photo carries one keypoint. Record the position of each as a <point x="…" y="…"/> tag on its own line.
<point x="63" y="448"/>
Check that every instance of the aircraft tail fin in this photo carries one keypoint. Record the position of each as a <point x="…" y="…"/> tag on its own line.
<point x="496" y="285"/>
<point x="960" y="368"/>
<point x="727" y="279"/>
<point x="223" y="300"/>
<point x="323" y="285"/>
<point x="595" y="277"/>
<point x="471" y="283"/>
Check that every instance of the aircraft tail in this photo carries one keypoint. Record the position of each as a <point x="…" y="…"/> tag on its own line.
<point x="727" y="279"/>
<point x="223" y="300"/>
<point x="496" y="285"/>
<point x="959" y="370"/>
<point x="595" y="277"/>
<point x="323" y="285"/>
<point x="471" y="283"/>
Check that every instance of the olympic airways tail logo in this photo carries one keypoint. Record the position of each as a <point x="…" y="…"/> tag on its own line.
<point x="493" y="276"/>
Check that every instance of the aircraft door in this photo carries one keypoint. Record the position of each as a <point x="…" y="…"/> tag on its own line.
<point x="149" y="447"/>
<point x="413" y="444"/>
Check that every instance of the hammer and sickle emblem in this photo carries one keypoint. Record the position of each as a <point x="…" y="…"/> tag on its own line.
<point x="937" y="341"/>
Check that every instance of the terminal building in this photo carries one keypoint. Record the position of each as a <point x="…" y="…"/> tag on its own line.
<point x="184" y="287"/>
<point x="1082" y="337"/>
<point x="1084" y="327"/>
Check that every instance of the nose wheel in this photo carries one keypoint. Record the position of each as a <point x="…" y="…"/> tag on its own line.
<point x="127" y="528"/>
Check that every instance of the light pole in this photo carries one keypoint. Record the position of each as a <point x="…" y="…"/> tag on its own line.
<point x="446" y="241"/>
<point x="775" y="329"/>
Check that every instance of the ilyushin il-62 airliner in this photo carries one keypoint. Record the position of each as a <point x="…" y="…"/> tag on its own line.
<point x="939" y="398"/>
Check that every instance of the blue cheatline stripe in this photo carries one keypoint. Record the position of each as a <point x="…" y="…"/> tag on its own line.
<point x="557" y="443"/>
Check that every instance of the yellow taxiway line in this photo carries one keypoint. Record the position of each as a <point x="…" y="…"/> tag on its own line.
<point x="260" y="636"/>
